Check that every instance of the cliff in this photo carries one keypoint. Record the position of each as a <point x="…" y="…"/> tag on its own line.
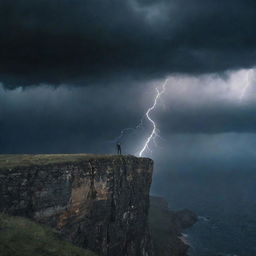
<point x="97" y="202"/>
<point x="166" y="227"/>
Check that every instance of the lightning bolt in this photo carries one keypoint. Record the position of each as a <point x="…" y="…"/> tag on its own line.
<point x="154" y="133"/>
<point x="126" y="131"/>
<point x="248" y="82"/>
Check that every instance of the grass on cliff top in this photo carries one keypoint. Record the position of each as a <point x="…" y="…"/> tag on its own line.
<point x="10" y="161"/>
<point x="23" y="237"/>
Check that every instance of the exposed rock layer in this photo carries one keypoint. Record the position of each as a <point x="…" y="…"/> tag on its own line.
<point x="98" y="203"/>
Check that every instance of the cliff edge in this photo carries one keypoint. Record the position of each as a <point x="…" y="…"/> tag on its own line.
<point x="97" y="202"/>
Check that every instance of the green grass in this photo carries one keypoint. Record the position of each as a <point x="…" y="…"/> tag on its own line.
<point x="23" y="237"/>
<point x="11" y="161"/>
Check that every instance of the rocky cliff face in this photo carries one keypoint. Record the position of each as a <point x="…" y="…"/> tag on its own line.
<point x="100" y="203"/>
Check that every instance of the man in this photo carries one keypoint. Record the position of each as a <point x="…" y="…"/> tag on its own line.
<point x="118" y="146"/>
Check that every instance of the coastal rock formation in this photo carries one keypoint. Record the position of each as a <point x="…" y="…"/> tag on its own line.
<point x="166" y="228"/>
<point x="97" y="202"/>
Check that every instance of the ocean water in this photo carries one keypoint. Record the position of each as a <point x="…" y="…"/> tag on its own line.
<point x="226" y="203"/>
<point x="224" y="233"/>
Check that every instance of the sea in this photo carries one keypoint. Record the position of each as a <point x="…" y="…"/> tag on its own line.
<point x="225" y="202"/>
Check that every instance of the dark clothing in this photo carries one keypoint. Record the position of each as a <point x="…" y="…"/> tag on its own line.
<point x="119" y="151"/>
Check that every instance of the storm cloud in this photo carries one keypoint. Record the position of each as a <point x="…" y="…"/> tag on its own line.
<point x="65" y="119"/>
<point x="84" y="42"/>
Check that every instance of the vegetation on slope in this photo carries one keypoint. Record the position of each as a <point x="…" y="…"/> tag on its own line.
<point x="23" y="237"/>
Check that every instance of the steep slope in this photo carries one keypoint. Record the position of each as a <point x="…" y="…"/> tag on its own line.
<point x="20" y="236"/>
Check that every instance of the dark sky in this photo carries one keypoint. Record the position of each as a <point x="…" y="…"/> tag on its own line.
<point x="84" y="42"/>
<point x="73" y="73"/>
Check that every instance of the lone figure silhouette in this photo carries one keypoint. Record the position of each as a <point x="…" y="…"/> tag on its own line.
<point x="118" y="147"/>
